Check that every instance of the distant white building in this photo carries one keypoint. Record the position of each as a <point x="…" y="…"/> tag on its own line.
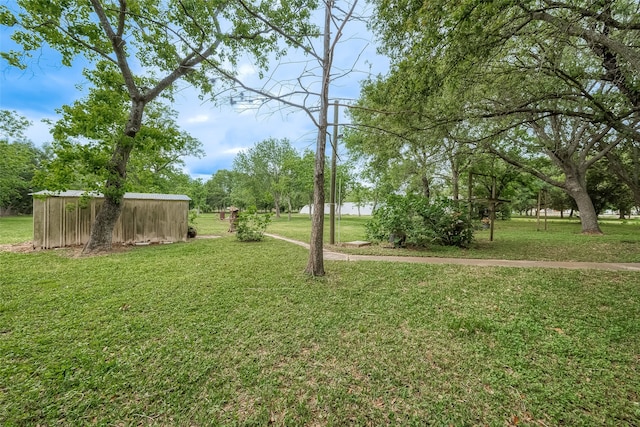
<point x="347" y="208"/>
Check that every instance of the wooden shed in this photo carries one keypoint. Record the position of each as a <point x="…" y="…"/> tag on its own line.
<point x="60" y="219"/>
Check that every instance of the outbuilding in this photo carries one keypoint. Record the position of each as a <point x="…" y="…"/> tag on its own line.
<point x="64" y="218"/>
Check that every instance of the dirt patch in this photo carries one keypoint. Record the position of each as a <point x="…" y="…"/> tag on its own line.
<point x="70" y="251"/>
<point x="76" y="251"/>
<point x="18" y="247"/>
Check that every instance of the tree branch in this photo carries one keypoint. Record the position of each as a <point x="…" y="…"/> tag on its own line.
<point x="117" y="44"/>
<point x="279" y="30"/>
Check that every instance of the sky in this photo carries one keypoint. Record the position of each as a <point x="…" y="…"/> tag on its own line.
<point x="223" y="129"/>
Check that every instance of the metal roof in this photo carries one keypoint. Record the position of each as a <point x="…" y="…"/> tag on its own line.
<point x="136" y="196"/>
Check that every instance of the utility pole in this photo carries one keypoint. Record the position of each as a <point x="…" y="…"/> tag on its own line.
<point x="332" y="193"/>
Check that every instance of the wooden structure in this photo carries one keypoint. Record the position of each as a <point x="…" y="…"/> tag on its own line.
<point x="493" y="201"/>
<point x="233" y="219"/>
<point x="542" y="204"/>
<point x="62" y="219"/>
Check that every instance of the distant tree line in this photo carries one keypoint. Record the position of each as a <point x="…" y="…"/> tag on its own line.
<point x="273" y="176"/>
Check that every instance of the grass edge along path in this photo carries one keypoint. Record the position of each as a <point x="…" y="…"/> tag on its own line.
<point x="478" y="262"/>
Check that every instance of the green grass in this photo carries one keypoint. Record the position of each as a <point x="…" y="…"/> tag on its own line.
<point x="15" y="229"/>
<point x="217" y="332"/>
<point x="299" y="228"/>
<point x="517" y="239"/>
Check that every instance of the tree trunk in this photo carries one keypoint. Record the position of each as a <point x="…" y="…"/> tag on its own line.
<point x="426" y="189"/>
<point x="315" y="265"/>
<point x="277" y="206"/>
<point x="101" y="233"/>
<point x="588" y="217"/>
<point x="455" y="181"/>
<point x="290" y="208"/>
<point x="102" y="228"/>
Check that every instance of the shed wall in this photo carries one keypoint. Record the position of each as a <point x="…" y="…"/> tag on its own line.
<point x="60" y="221"/>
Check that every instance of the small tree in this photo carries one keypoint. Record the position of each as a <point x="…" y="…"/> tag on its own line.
<point x="252" y="225"/>
<point x="315" y="103"/>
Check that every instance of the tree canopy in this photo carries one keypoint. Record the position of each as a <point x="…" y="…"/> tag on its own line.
<point x="86" y="133"/>
<point x="520" y="80"/>
<point x="267" y="168"/>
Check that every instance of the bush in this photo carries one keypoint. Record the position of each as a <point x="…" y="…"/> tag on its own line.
<point x="191" y="230"/>
<point x="251" y="225"/>
<point x="394" y="219"/>
<point x="416" y="221"/>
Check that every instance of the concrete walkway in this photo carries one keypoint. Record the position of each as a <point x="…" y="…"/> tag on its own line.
<point x="337" y="256"/>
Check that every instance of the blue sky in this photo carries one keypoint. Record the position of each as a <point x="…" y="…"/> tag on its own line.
<point x="223" y="129"/>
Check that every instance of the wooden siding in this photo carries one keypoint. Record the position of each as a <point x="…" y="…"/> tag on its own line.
<point x="60" y="221"/>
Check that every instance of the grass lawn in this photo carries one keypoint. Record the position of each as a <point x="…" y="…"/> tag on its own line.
<point x="217" y="332"/>
<point x="517" y="238"/>
<point x="15" y="229"/>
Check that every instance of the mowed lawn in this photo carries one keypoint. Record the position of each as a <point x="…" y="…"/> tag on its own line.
<point x="518" y="238"/>
<point x="218" y="332"/>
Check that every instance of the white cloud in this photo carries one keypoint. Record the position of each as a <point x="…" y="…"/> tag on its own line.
<point x="235" y="150"/>
<point x="200" y="118"/>
<point x="39" y="132"/>
<point x="246" y="70"/>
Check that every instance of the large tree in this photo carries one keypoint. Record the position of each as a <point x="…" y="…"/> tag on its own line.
<point x="164" y="41"/>
<point x="84" y="137"/>
<point x="508" y="72"/>
<point x="219" y="189"/>
<point x="570" y="143"/>
<point x="299" y="180"/>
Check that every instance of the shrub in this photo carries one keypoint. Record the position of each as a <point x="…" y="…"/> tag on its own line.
<point x="448" y="223"/>
<point x="395" y="221"/>
<point x="419" y="222"/>
<point x="251" y="225"/>
<point x="191" y="230"/>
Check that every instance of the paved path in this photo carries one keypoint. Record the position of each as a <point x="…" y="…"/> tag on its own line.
<point x="337" y="256"/>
